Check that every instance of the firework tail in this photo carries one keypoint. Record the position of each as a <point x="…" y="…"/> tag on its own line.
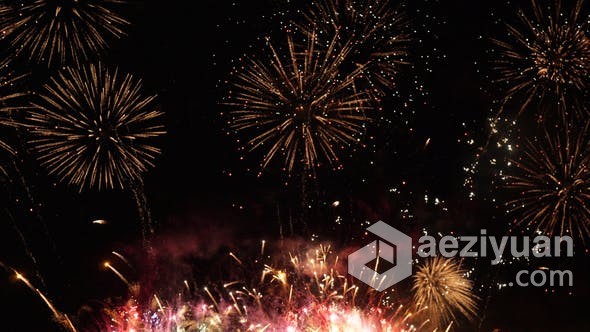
<point x="305" y="202"/>
<point x="280" y="222"/>
<point x="144" y="213"/>
<point x="118" y="274"/>
<point x="60" y="317"/>
<point x="26" y="187"/>
<point x="26" y="248"/>
<point x="28" y="192"/>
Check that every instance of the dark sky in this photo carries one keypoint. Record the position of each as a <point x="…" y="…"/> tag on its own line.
<point x="183" y="50"/>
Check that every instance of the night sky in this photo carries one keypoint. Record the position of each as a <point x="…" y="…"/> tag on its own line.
<point x="207" y="199"/>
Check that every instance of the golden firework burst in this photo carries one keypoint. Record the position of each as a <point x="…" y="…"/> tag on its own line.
<point x="92" y="127"/>
<point x="59" y="30"/>
<point x="443" y="291"/>
<point x="552" y="180"/>
<point x="377" y="31"/>
<point x="297" y="104"/>
<point x="545" y="59"/>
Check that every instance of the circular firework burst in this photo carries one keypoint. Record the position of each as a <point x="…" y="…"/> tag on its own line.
<point x="442" y="290"/>
<point x="92" y="127"/>
<point x="298" y="105"/>
<point x="552" y="178"/>
<point x="547" y="59"/>
<point x="56" y="30"/>
<point x="377" y="32"/>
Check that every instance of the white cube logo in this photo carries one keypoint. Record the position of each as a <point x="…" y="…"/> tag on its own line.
<point x="394" y="247"/>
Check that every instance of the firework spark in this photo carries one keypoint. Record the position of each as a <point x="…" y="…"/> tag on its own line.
<point x="377" y="32"/>
<point x="552" y="178"/>
<point x="443" y="290"/>
<point x="92" y="128"/>
<point x="55" y="31"/>
<point x="299" y="105"/>
<point x="546" y="59"/>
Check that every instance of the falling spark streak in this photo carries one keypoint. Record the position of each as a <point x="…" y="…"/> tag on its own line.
<point x="117" y="273"/>
<point x="69" y="323"/>
<point x="61" y="318"/>
<point x="186" y="285"/>
<point x="211" y="297"/>
<point x="229" y="284"/>
<point x="159" y="303"/>
<point x="235" y="258"/>
<point x="122" y="258"/>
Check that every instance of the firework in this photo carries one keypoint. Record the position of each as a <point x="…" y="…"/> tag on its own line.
<point x="92" y="128"/>
<point x="377" y="32"/>
<point x="298" y="105"/>
<point x="545" y="58"/>
<point x="552" y="180"/>
<point x="56" y="31"/>
<point x="302" y="291"/>
<point x="443" y="290"/>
